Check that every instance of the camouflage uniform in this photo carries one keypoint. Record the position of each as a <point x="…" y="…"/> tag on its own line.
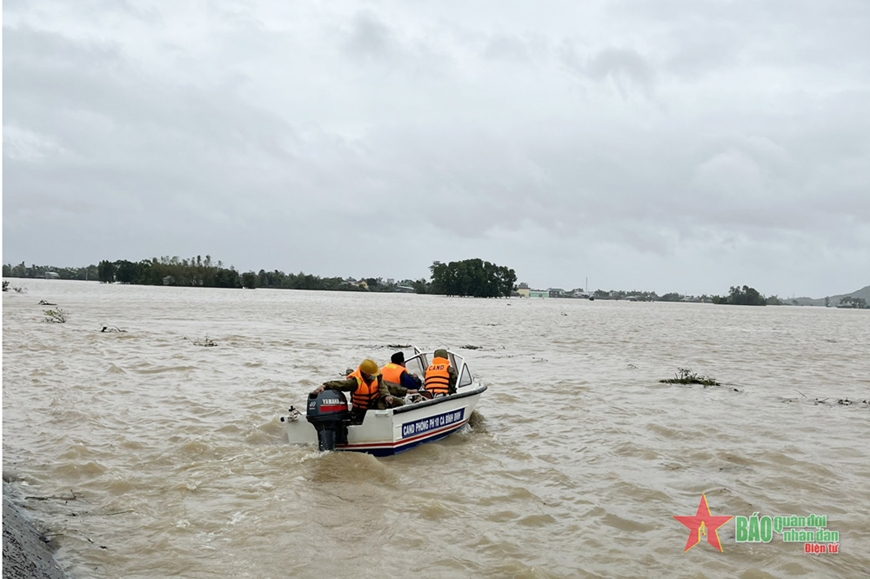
<point x="384" y="390"/>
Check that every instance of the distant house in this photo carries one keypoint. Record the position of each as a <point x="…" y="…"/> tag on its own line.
<point x="556" y="292"/>
<point x="539" y="294"/>
<point x="405" y="289"/>
<point x="52" y="275"/>
<point x="523" y="292"/>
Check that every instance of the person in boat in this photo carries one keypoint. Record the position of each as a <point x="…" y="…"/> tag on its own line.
<point x="368" y="389"/>
<point x="395" y="373"/>
<point x="440" y="375"/>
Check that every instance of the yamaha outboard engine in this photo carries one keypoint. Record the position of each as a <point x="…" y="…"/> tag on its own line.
<point x="328" y="413"/>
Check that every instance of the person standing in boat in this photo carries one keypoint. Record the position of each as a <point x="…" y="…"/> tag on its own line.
<point x="440" y="375"/>
<point x="367" y="389"/>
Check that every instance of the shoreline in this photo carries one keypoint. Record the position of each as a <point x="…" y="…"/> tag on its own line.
<point x="26" y="552"/>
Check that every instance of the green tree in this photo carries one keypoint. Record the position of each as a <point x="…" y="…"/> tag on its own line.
<point x="472" y="277"/>
<point x="745" y="296"/>
<point x="106" y="271"/>
<point x="228" y="278"/>
<point x="127" y="271"/>
<point x="249" y="280"/>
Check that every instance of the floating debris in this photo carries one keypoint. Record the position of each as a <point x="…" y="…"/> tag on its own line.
<point x="72" y="496"/>
<point x="112" y="329"/>
<point x="399" y="346"/>
<point x="841" y="402"/>
<point x="207" y="343"/>
<point x="686" y="376"/>
<point x="45" y="303"/>
<point x="470" y="347"/>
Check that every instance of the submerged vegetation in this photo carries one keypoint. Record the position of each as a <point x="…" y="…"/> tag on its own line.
<point x="57" y="316"/>
<point x="686" y="376"/>
<point x="206" y="343"/>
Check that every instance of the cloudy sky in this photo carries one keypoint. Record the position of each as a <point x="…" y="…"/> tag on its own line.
<point x="662" y="145"/>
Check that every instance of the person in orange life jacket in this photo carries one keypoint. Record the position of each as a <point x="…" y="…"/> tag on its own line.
<point x="367" y="389"/>
<point x="440" y="375"/>
<point x="395" y="374"/>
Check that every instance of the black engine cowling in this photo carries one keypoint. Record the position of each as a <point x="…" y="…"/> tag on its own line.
<point x="329" y="414"/>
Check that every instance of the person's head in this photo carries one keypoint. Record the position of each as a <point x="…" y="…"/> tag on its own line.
<point x="398" y="358"/>
<point x="440" y="353"/>
<point x="369" y="370"/>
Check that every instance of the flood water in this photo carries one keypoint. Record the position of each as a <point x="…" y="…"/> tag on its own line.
<point x="150" y="455"/>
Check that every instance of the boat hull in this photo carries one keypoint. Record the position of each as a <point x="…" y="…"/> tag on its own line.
<point x="395" y="430"/>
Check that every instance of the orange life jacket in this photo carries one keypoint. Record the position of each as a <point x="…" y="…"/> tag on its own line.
<point x="365" y="395"/>
<point x="392" y="373"/>
<point x="437" y="376"/>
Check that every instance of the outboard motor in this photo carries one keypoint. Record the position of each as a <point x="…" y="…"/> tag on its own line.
<point x="328" y="413"/>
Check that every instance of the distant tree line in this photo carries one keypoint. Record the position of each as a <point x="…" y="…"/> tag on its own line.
<point x="34" y="271"/>
<point x="199" y="272"/>
<point x="744" y="295"/>
<point x="850" y="302"/>
<point x="472" y="277"/>
<point x="737" y="295"/>
<point x="642" y="296"/>
<point x="170" y="271"/>
<point x="280" y="280"/>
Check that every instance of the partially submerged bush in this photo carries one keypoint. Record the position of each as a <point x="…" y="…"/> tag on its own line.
<point x="686" y="376"/>
<point x="57" y="316"/>
<point x="206" y="343"/>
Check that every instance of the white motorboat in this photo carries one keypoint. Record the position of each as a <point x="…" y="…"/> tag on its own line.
<point x="385" y="432"/>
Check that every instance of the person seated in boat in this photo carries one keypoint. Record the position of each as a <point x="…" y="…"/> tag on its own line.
<point x="367" y="389"/>
<point x="440" y="375"/>
<point x="395" y="374"/>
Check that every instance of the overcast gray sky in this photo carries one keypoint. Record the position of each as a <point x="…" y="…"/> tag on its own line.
<point x="663" y="145"/>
